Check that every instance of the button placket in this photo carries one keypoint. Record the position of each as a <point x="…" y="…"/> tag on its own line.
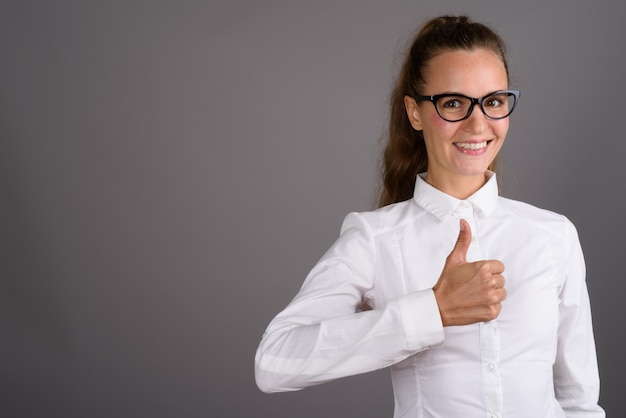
<point x="489" y="339"/>
<point x="489" y="353"/>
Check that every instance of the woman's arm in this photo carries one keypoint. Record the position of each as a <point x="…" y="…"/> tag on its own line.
<point x="322" y="335"/>
<point x="576" y="378"/>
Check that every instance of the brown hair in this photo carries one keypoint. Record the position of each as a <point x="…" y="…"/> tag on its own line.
<point x="405" y="153"/>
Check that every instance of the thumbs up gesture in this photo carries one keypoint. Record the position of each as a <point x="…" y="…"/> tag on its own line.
<point x="467" y="293"/>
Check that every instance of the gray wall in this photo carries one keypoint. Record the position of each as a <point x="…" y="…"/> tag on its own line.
<point x="170" y="171"/>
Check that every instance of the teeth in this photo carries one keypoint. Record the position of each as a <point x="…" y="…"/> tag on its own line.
<point x="471" y="146"/>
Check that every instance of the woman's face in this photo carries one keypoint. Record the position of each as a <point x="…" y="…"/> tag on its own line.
<point x="459" y="153"/>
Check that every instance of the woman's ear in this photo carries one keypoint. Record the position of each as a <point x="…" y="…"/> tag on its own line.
<point x="412" y="111"/>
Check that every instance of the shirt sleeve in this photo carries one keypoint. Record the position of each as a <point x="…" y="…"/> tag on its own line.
<point x="321" y="335"/>
<point x="576" y="378"/>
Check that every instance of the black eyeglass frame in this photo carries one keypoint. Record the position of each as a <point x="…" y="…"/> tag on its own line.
<point x="474" y="101"/>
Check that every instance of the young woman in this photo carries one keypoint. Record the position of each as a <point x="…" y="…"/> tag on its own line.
<point x="419" y="285"/>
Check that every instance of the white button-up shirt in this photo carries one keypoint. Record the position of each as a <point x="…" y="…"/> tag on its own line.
<point x="536" y="360"/>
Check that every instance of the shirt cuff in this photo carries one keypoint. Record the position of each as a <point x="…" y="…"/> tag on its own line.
<point x="422" y="320"/>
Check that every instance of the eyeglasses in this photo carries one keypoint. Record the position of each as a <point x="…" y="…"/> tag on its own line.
<point x="457" y="107"/>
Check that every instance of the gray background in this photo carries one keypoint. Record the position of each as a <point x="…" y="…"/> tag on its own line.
<point x="170" y="171"/>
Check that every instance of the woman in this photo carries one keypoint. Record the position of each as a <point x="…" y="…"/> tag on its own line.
<point x="419" y="285"/>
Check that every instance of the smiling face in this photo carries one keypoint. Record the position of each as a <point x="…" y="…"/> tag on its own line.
<point x="459" y="153"/>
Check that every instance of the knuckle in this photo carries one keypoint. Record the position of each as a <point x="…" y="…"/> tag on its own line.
<point x="494" y="311"/>
<point x="483" y="268"/>
<point x="492" y="298"/>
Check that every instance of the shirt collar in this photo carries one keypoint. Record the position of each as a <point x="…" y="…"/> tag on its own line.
<point x="443" y="205"/>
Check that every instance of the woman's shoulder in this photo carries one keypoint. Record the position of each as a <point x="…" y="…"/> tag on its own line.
<point x="388" y="218"/>
<point x="534" y="215"/>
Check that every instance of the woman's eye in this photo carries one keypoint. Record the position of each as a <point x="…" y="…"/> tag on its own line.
<point x="494" y="101"/>
<point x="452" y="103"/>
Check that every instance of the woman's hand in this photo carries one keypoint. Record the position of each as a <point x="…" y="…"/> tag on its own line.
<point x="469" y="292"/>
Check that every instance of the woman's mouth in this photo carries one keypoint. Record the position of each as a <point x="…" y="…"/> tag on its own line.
<point x="472" y="146"/>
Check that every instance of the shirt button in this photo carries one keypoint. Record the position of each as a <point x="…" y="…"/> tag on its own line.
<point x="491" y="368"/>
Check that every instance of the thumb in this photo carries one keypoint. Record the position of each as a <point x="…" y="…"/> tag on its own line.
<point x="459" y="252"/>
